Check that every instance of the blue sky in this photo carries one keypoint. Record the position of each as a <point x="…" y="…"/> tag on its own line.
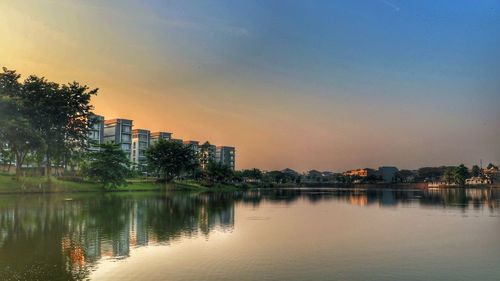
<point x="305" y="84"/>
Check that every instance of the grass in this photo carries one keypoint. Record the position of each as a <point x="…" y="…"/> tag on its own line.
<point x="37" y="184"/>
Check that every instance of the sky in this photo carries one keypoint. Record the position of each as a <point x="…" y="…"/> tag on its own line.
<point x="327" y="85"/>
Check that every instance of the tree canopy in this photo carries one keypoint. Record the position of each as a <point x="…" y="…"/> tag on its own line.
<point x="109" y="166"/>
<point x="168" y="159"/>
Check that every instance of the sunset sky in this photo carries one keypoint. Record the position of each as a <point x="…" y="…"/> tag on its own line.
<point x="329" y="85"/>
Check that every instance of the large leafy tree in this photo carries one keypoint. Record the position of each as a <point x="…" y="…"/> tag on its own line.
<point x="109" y="166"/>
<point x="16" y="131"/>
<point x="449" y="175"/>
<point x="476" y="171"/>
<point x="460" y="174"/>
<point x="60" y="114"/>
<point x="168" y="159"/>
<point x="43" y="117"/>
<point x="217" y="172"/>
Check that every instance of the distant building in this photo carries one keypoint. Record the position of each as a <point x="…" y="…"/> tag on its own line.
<point x="226" y="155"/>
<point x="388" y="174"/>
<point x="140" y="143"/>
<point x="194" y="145"/>
<point x="160" y="135"/>
<point x="492" y="174"/>
<point x="477" y="181"/>
<point x="119" y="131"/>
<point x="96" y="132"/>
<point x="177" y="140"/>
<point x="363" y="173"/>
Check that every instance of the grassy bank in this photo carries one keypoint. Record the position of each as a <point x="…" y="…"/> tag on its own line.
<point x="8" y="184"/>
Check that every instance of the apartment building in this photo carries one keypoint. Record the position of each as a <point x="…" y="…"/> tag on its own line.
<point x="119" y="131"/>
<point x="140" y="143"/>
<point x="155" y="136"/>
<point x="226" y="155"/>
<point x="96" y="132"/>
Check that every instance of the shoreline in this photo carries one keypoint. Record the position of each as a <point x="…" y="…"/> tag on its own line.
<point x="39" y="185"/>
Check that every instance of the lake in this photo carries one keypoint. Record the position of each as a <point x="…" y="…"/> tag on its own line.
<point x="285" y="234"/>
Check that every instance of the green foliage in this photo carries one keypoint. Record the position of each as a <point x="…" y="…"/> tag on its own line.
<point x="17" y="136"/>
<point x="282" y="177"/>
<point x="430" y="173"/>
<point x="406" y="176"/>
<point x="449" y="175"/>
<point x="168" y="159"/>
<point x="109" y="166"/>
<point x="217" y="172"/>
<point x="460" y="174"/>
<point x="253" y="174"/>
<point x="476" y="171"/>
<point x="41" y="118"/>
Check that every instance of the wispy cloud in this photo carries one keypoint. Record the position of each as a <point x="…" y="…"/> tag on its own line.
<point x="390" y="4"/>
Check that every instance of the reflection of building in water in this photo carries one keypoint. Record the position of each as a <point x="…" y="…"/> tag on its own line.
<point x="388" y="198"/>
<point x="358" y="199"/>
<point x="139" y="235"/>
<point x="121" y="245"/>
<point x="92" y="245"/>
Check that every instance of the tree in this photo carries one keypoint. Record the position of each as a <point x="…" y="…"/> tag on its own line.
<point x="314" y="175"/>
<point x="476" y="171"/>
<point x="460" y="174"/>
<point x="205" y="155"/>
<point x="16" y="132"/>
<point x="252" y="174"/>
<point x="217" y="172"/>
<point x="431" y="173"/>
<point x="449" y="175"/>
<point x="168" y="159"/>
<point x="405" y="176"/>
<point x="60" y="114"/>
<point x="109" y="166"/>
<point x="47" y="114"/>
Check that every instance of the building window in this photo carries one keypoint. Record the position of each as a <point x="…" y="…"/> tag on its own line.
<point x="126" y="138"/>
<point x="125" y="146"/>
<point x="126" y="129"/>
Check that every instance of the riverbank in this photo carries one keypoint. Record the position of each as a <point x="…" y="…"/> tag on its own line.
<point x="8" y="185"/>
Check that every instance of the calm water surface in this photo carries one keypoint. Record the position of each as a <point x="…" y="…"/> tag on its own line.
<point x="321" y="234"/>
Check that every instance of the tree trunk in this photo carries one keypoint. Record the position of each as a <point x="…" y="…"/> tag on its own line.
<point x="48" y="167"/>
<point x="19" y="165"/>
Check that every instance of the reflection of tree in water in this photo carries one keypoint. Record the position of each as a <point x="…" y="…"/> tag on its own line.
<point x="49" y="238"/>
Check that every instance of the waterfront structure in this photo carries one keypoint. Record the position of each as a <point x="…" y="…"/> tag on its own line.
<point x="226" y="155"/>
<point x="96" y="132"/>
<point x="119" y="131"/>
<point x="155" y="136"/>
<point x="478" y="181"/>
<point x="140" y="143"/>
<point x="492" y="174"/>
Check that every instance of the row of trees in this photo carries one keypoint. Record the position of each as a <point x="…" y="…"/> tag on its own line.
<point x="166" y="160"/>
<point x="42" y="122"/>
